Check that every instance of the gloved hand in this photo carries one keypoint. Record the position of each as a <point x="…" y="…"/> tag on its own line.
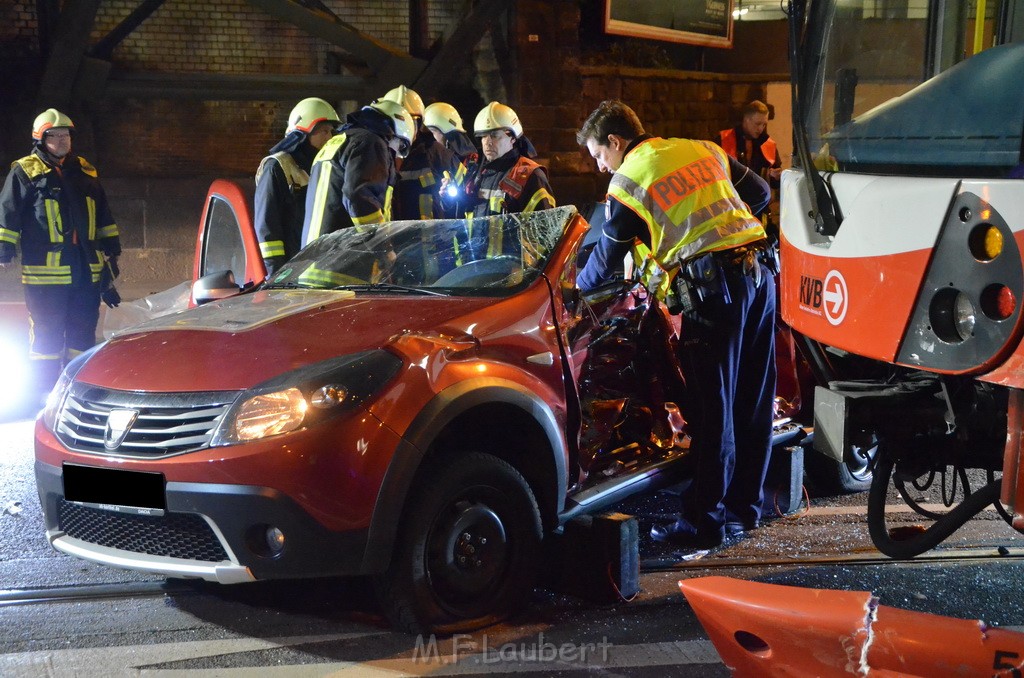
<point x="110" y="296"/>
<point x="108" y="293"/>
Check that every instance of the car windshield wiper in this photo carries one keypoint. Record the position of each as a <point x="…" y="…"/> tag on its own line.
<point x="390" y="287"/>
<point x="282" y="286"/>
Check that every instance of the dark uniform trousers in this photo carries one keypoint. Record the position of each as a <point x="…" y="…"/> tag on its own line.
<point x="63" y="320"/>
<point x="729" y="360"/>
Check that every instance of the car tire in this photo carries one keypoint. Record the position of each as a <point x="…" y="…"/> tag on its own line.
<point x="853" y="474"/>
<point x="468" y="548"/>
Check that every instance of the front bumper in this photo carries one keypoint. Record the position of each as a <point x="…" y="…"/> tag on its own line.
<point x="209" y="531"/>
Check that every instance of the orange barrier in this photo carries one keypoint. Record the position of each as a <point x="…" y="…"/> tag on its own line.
<point x="771" y="630"/>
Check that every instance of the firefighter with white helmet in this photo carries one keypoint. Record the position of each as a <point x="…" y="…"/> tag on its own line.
<point x="423" y="170"/>
<point x="445" y="123"/>
<point x="54" y="207"/>
<point x="507" y="179"/>
<point x="354" y="174"/>
<point x="283" y="176"/>
<point x="407" y="98"/>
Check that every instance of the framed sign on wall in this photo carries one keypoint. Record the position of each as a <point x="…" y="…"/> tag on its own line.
<point x="695" y="22"/>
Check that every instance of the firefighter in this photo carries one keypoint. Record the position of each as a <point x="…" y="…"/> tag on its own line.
<point x="282" y="178"/>
<point x="445" y="123"/>
<point x="507" y="180"/>
<point x="421" y="172"/>
<point x="354" y="175"/>
<point x="53" y="205"/>
<point x="678" y="204"/>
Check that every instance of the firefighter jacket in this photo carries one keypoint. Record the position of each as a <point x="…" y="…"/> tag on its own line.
<point x="59" y="215"/>
<point x="760" y="154"/>
<point x="420" y="176"/>
<point x="280" y="203"/>
<point x="682" y="191"/>
<point x="352" y="179"/>
<point x="462" y="146"/>
<point x="509" y="184"/>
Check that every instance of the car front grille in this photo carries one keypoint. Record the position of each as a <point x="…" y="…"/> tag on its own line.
<point x="172" y="535"/>
<point x="167" y="423"/>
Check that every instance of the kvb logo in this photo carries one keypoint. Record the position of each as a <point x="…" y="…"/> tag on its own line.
<point x="836" y="297"/>
<point x="828" y="297"/>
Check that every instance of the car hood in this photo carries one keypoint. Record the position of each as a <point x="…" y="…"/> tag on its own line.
<point x="235" y="343"/>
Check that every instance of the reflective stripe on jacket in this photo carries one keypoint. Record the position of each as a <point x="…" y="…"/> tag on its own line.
<point x="682" y="189"/>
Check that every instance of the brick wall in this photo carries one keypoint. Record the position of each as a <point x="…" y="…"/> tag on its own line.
<point x="168" y="138"/>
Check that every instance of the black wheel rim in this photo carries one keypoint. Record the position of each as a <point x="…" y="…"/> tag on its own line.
<point x="469" y="552"/>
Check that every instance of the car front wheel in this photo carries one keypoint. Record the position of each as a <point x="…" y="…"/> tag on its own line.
<point x="468" y="547"/>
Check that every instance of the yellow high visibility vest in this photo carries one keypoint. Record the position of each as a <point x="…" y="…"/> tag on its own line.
<point x="682" y="189"/>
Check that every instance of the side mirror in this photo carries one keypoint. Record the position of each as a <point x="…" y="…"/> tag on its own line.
<point x="214" y="286"/>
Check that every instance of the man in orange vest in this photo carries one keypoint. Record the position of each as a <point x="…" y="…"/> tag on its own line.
<point x="749" y="143"/>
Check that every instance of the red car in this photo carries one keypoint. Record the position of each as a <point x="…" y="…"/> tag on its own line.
<point x="421" y="402"/>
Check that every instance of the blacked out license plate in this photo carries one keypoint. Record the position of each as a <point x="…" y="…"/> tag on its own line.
<point x="137" y="492"/>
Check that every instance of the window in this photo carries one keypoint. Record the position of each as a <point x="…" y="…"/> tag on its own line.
<point x="223" y="249"/>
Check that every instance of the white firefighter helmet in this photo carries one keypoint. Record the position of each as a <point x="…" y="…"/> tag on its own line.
<point x="497" y="116"/>
<point x="443" y="116"/>
<point x="401" y="121"/>
<point x="49" y="119"/>
<point x="308" y="113"/>
<point x="408" y="98"/>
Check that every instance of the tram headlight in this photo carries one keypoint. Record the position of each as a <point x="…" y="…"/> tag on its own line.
<point x="952" y="315"/>
<point x="963" y="316"/>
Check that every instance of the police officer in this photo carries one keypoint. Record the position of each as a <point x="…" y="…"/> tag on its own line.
<point x="678" y="204"/>
<point x="423" y="169"/>
<point x="508" y="180"/>
<point x="282" y="178"/>
<point x="354" y="175"/>
<point x="53" y="205"/>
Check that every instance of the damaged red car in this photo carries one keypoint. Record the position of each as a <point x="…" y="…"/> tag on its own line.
<point x="419" y="402"/>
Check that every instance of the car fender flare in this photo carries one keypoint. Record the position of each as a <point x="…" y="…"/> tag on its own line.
<point x="442" y="409"/>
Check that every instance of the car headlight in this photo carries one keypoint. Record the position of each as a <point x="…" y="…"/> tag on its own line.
<point x="270" y="414"/>
<point x="55" y="400"/>
<point x="305" y="397"/>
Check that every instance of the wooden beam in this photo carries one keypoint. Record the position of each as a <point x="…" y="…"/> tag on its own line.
<point x="105" y="47"/>
<point x="419" y="29"/>
<point x="378" y="55"/>
<point x="70" y="41"/>
<point x="238" y="87"/>
<point x="456" y="48"/>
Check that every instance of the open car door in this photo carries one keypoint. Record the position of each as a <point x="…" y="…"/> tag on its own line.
<point x="227" y="238"/>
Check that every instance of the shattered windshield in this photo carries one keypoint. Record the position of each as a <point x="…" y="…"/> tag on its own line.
<point x="486" y="256"/>
<point x="918" y="84"/>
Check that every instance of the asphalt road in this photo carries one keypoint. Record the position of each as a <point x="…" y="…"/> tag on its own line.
<point x="64" y="617"/>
